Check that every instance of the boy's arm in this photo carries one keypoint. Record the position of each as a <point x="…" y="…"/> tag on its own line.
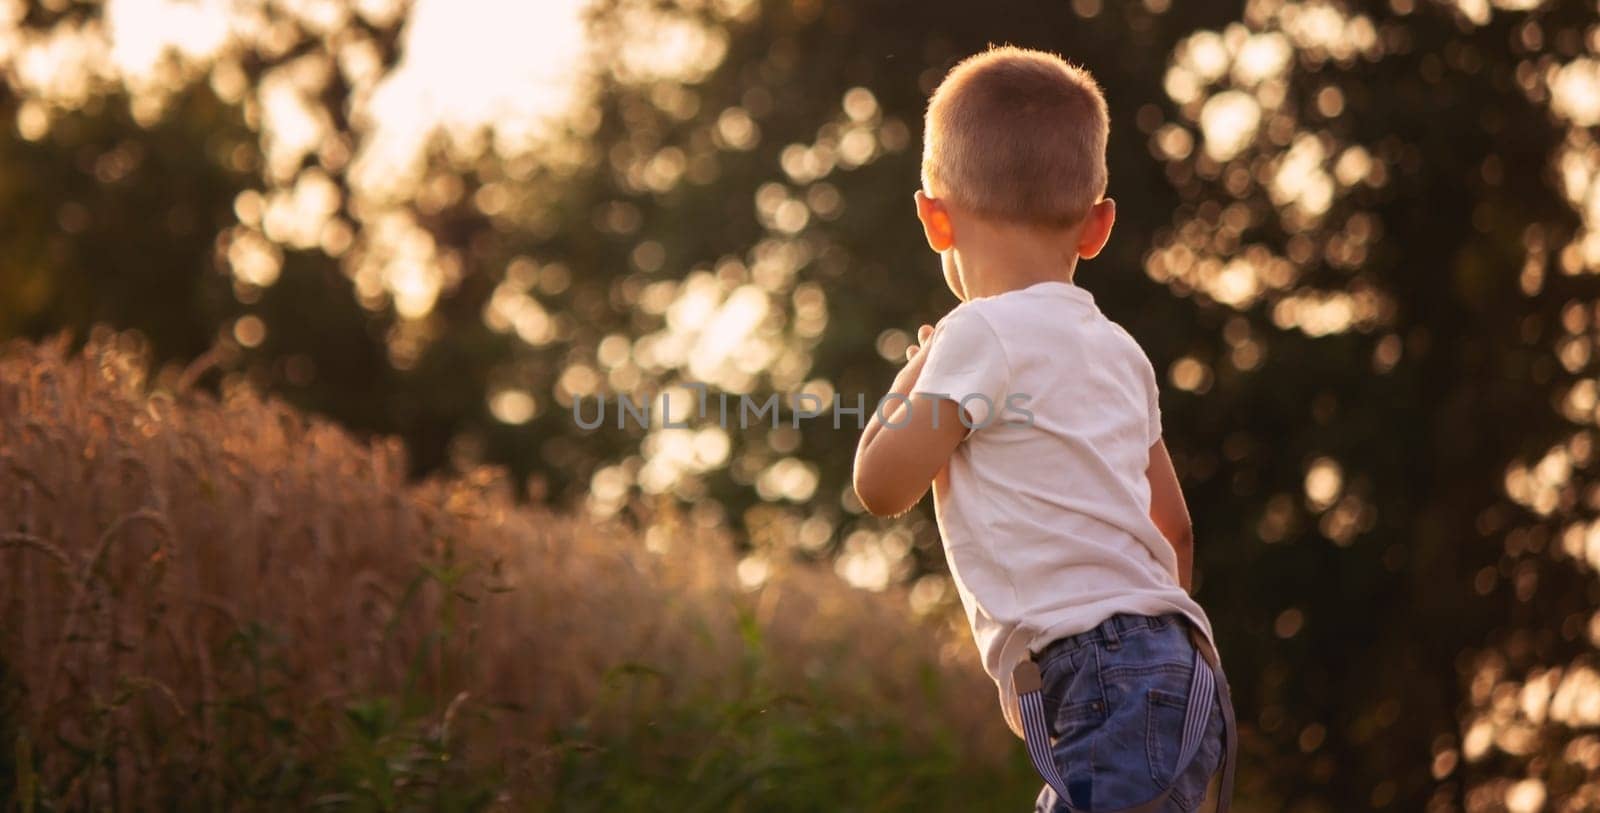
<point x="1168" y="510"/>
<point x="897" y="459"/>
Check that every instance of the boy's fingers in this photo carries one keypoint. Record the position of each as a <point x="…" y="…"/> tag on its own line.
<point x="924" y="333"/>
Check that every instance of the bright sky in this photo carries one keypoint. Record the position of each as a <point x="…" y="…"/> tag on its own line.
<point x="465" y="63"/>
<point x="468" y="63"/>
<point x="468" y="68"/>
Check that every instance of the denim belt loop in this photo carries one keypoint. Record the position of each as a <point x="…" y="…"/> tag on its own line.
<point x="1113" y="636"/>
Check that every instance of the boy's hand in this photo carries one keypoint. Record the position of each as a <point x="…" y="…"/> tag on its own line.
<point x="924" y="333"/>
<point x="915" y="358"/>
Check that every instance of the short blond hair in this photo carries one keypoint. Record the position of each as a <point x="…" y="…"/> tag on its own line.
<point x="1017" y="135"/>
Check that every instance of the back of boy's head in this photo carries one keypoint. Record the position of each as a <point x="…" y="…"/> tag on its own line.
<point x="1017" y="135"/>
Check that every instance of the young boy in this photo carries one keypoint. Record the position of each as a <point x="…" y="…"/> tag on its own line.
<point x="1035" y="420"/>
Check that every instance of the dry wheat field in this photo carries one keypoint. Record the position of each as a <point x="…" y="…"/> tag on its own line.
<point x="210" y="600"/>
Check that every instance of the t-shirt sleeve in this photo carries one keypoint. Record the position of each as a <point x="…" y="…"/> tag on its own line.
<point x="966" y="364"/>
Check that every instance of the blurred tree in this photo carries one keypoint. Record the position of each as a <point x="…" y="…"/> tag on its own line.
<point x="106" y="222"/>
<point x="208" y="199"/>
<point x="1380" y="215"/>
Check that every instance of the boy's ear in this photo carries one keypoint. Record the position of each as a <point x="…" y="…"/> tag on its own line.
<point x="935" y="222"/>
<point x="1096" y="228"/>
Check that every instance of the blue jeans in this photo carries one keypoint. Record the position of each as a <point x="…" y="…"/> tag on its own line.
<point x="1115" y="697"/>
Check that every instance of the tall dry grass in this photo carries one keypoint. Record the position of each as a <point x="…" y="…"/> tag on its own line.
<point x="220" y="601"/>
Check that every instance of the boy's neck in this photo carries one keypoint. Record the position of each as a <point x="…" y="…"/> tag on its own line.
<point x="992" y="258"/>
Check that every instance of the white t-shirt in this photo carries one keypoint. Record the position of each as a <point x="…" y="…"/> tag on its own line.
<point x="1047" y="526"/>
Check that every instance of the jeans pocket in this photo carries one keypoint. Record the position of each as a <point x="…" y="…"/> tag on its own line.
<point x="1163" y="739"/>
<point x="1072" y="697"/>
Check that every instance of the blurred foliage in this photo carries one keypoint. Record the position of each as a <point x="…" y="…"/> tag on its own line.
<point x="1355" y="237"/>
